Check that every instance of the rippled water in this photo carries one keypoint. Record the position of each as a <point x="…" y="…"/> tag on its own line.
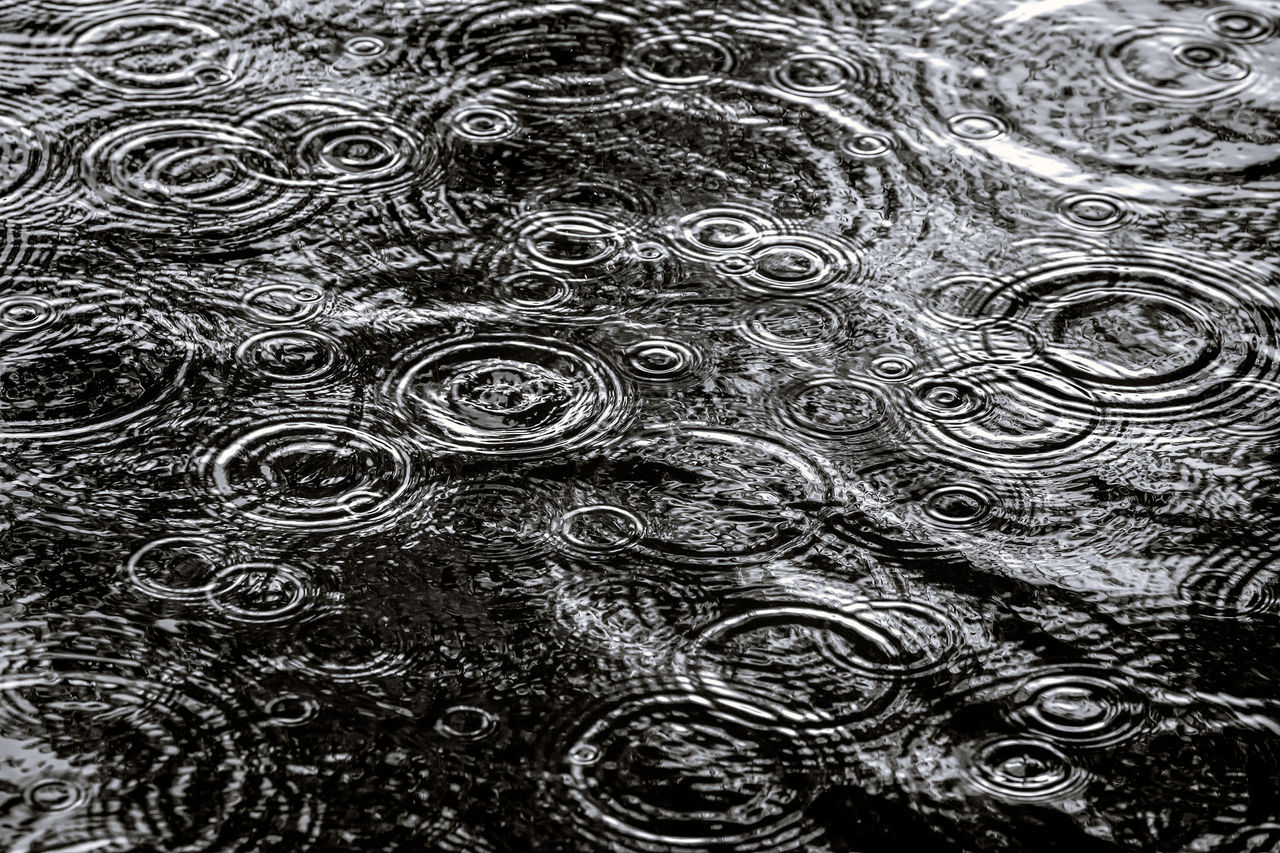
<point x="435" y="425"/>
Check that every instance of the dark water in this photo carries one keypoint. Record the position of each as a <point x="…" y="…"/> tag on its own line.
<point x="847" y="427"/>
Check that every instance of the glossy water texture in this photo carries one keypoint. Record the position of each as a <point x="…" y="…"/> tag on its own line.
<point x="847" y="426"/>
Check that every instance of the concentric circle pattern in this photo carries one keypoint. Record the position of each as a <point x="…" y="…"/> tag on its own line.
<point x="1186" y="94"/>
<point x="656" y="426"/>
<point x="308" y="474"/>
<point x="509" y="396"/>
<point x="635" y="776"/>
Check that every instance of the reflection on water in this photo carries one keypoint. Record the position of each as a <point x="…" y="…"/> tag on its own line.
<point x="641" y="425"/>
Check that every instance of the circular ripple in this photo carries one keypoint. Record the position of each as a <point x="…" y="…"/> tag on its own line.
<point x="796" y="667"/>
<point x="730" y="229"/>
<point x="799" y="264"/>
<point x="600" y="528"/>
<point x="26" y="313"/>
<point x="818" y="74"/>
<point x="926" y="638"/>
<point x="195" y="183"/>
<point x="118" y="744"/>
<point x="344" y="146"/>
<point x="1023" y="770"/>
<point x="1167" y="63"/>
<point x="1242" y="25"/>
<point x="346" y="645"/>
<point x="1023" y="417"/>
<point x="466" y="722"/>
<point x="510" y="396"/>
<point x="309" y="475"/>
<point x="480" y="123"/>
<point x="977" y="126"/>
<point x="833" y="408"/>
<point x="1181" y="99"/>
<point x="36" y="173"/>
<point x="892" y="367"/>
<point x="155" y="54"/>
<point x="1234" y="583"/>
<point x="535" y="291"/>
<point x="662" y="362"/>
<point x="671" y="771"/>
<point x="1077" y="707"/>
<point x="176" y="568"/>
<point x="869" y="146"/>
<point x="680" y="60"/>
<point x="293" y="357"/>
<point x="78" y="374"/>
<point x="572" y="239"/>
<point x="1149" y="336"/>
<point x="713" y="496"/>
<point x="966" y="509"/>
<point x="1094" y="211"/>
<point x="793" y="325"/>
<point x="283" y="303"/>
<point x="365" y="46"/>
<point x="260" y="592"/>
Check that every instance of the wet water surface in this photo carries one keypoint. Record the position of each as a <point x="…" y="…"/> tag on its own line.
<point x="439" y="425"/>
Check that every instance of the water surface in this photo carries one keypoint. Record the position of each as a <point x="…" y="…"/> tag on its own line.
<point x="646" y="426"/>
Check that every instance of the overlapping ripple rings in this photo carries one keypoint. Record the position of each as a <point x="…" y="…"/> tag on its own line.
<point x="657" y="426"/>
<point x="670" y="771"/>
<point x="89" y="706"/>
<point x="727" y="497"/>
<point x="193" y="182"/>
<point x="308" y="474"/>
<point x="1185" y="99"/>
<point x="1149" y="335"/>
